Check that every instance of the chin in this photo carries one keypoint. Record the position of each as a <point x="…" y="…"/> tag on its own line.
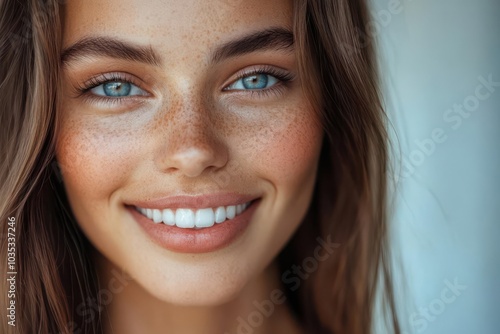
<point x="196" y="291"/>
<point x="190" y="280"/>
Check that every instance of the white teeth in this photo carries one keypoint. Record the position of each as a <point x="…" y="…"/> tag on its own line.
<point x="168" y="217"/>
<point x="220" y="214"/>
<point x="157" y="218"/>
<point x="230" y="212"/>
<point x="188" y="218"/>
<point x="205" y="218"/>
<point x="184" y="218"/>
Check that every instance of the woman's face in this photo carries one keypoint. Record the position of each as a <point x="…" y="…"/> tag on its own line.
<point x="193" y="110"/>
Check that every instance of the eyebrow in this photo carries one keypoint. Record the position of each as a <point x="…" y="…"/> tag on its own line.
<point x="109" y="47"/>
<point x="268" y="39"/>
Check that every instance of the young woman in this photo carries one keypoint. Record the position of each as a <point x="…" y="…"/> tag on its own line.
<point x="192" y="167"/>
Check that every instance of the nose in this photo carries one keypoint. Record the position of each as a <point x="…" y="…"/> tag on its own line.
<point x="190" y="143"/>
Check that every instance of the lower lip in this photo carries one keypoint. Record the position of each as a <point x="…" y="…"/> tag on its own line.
<point x="189" y="240"/>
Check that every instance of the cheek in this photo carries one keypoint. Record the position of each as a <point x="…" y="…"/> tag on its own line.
<point x="284" y="152"/>
<point x="94" y="159"/>
<point x="287" y="149"/>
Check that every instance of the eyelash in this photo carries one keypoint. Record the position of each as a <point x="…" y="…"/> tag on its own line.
<point x="283" y="79"/>
<point x="84" y="89"/>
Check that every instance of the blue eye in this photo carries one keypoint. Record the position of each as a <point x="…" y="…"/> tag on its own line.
<point x="117" y="89"/>
<point x="254" y="82"/>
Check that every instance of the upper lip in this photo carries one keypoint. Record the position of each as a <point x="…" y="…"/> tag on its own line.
<point x="194" y="202"/>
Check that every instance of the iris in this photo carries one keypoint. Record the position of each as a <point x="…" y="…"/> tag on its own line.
<point x="256" y="81"/>
<point x="117" y="88"/>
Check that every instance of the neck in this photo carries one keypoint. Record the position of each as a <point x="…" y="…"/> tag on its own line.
<point x="260" y="308"/>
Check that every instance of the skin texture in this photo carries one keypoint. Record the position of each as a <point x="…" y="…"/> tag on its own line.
<point x="185" y="136"/>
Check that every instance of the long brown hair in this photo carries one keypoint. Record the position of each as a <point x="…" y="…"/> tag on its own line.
<point x="337" y="63"/>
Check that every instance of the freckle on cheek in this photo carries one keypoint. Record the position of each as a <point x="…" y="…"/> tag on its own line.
<point x="294" y="148"/>
<point x="87" y="161"/>
<point x="290" y="147"/>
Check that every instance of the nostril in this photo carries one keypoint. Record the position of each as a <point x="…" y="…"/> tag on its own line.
<point x="193" y="160"/>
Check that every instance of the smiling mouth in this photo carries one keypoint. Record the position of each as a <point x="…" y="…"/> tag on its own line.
<point x="194" y="218"/>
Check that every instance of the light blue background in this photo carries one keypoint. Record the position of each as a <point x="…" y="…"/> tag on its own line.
<point x="447" y="211"/>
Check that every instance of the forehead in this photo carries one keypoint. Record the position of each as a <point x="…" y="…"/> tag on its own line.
<point x="172" y="23"/>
